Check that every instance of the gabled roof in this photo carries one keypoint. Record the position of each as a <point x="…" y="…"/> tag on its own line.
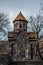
<point x="20" y="17"/>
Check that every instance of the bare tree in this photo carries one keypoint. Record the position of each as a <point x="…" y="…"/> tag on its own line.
<point x="4" y="25"/>
<point x="36" y="25"/>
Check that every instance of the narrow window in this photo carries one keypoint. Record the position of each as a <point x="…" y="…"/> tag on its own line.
<point x="24" y="26"/>
<point x="20" y="26"/>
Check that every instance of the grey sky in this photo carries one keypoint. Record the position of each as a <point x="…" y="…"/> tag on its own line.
<point x="13" y="7"/>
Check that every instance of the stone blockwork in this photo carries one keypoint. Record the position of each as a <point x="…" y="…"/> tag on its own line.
<point x="21" y="46"/>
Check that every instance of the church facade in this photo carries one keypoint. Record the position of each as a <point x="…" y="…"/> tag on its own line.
<point x="21" y="45"/>
<point x="23" y="39"/>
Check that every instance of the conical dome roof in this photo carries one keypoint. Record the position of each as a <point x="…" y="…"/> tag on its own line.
<point x="20" y="17"/>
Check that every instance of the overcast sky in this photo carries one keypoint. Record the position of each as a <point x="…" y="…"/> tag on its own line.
<point x="13" y="7"/>
<point x="27" y="7"/>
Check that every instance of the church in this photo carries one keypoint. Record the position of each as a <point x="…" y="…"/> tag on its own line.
<point x="23" y="39"/>
<point x="21" y="45"/>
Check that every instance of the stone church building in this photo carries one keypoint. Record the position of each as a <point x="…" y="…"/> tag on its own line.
<point x="21" y="45"/>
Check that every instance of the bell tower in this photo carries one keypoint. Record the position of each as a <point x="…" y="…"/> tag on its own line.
<point x="20" y="23"/>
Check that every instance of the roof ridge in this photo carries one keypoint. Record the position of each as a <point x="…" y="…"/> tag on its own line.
<point x="20" y="17"/>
